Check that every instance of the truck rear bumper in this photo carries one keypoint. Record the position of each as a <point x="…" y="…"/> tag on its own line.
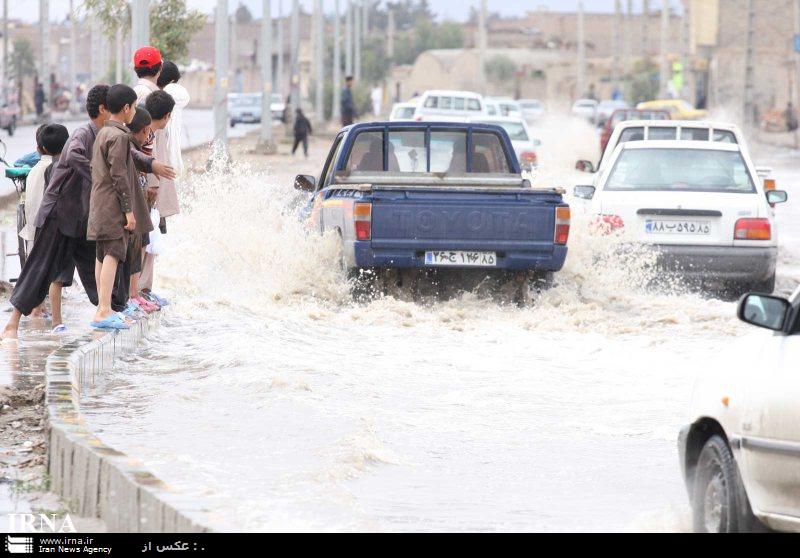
<point x="728" y="263"/>
<point x="367" y="257"/>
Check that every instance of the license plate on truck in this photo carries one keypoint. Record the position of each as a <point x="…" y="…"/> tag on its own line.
<point x="460" y="258"/>
<point x="655" y="226"/>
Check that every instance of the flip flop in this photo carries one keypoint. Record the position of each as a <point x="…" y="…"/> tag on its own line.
<point x="112" y="322"/>
<point x="154" y="298"/>
<point x="145" y="305"/>
<point x="60" y="328"/>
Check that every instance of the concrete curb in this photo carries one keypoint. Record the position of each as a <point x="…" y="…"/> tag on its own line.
<point x="92" y="478"/>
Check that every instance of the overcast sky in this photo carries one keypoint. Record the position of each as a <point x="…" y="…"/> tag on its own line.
<point x="450" y="9"/>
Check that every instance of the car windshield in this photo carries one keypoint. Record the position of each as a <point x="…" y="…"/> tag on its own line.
<point x="531" y="105"/>
<point x="699" y="170"/>
<point x="245" y="101"/>
<point x="515" y="130"/>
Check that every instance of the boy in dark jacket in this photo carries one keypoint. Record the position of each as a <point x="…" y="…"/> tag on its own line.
<point x="302" y="128"/>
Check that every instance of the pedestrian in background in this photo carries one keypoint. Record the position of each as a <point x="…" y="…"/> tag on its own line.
<point x="302" y="128"/>
<point x="39" y="100"/>
<point x="348" y="107"/>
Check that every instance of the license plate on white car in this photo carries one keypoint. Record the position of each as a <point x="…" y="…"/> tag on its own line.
<point x="461" y="259"/>
<point x="657" y="226"/>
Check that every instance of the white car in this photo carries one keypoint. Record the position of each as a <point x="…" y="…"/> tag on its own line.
<point x="502" y="106"/>
<point x="586" y="109"/>
<point x="403" y="112"/>
<point x="449" y="106"/>
<point x="532" y="109"/>
<point x="740" y="452"/>
<point x="525" y="145"/>
<point x="699" y="204"/>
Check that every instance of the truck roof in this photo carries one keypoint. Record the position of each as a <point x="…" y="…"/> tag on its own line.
<point x="414" y="125"/>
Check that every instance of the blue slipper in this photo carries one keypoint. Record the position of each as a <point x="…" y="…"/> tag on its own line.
<point x="153" y="297"/>
<point x="112" y="322"/>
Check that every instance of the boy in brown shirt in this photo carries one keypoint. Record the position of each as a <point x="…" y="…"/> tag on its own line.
<point x="111" y="205"/>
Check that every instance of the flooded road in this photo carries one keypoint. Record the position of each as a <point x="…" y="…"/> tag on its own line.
<point x="284" y="405"/>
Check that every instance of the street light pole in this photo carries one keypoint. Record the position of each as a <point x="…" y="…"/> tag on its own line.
<point x="294" y="70"/>
<point x="616" y="71"/>
<point x="482" y="48"/>
<point x="357" y="40"/>
<point x="44" y="30"/>
<point x="140" y="27"/>
<point x="266" y="145"/>
<point x="281" y="53"/>
<point x="319" y="77"/>
<point x="348" y="39"/>
<point x="665" y="66"/>
<point x="73" y="38"/>
<point x="221" y="53"/>
<point x="581" y="81"/>
<point x="336" y="112"/>
<point x="749" y="71"/>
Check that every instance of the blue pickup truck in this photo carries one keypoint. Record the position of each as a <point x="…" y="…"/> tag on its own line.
<point x="435" y="195"/>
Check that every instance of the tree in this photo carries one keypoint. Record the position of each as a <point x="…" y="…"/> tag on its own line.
<point x="243" y="14"/>
<point x="22" y="64"/>
<point x="172" y="26"/>
<point x="500" y="69"/>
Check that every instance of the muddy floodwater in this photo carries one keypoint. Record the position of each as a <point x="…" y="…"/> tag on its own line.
<point x="281" y="403"/>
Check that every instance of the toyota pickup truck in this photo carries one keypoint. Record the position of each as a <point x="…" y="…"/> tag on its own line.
<point x="428" y="195"/>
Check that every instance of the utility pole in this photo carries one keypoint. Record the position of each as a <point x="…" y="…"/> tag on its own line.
<point x="319" y="39"/>
<point x="6" y="73"/>
<point x="348" y="39"/>
<point x="686" y="49"/>
<point x="294" y="70"/>
<point x="390" y="31"/>
<point x="44" y="68"/>
<point x="482" y="48"/>
<point x="140" y="27"/>
<point x="118" y="54"/>
<point x="645" y="38"/>
<point x="336" y="109"/>
<point x="73" y="69"/>
<point x="628" y="64"/>
<point x="221" y="54"/>
<point x="616" y="70"/>
<point x="279" y="77"/>
<point x="796" y="92"/>
<point x="665" y="65"/>
<point x="749" y="72"/>
<point x="357" y="18"/>
<point x="266" y="144"/>
<point x="581" y="81"/>
<point x="365" y="8"/>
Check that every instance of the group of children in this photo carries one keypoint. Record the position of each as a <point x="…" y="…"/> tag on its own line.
<point x="95" y="196"/>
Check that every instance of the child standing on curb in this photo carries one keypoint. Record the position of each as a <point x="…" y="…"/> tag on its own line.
<point x="111" y="217"/>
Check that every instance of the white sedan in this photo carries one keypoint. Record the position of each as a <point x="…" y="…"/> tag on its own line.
<point x="698" y="204"/>
<point x="525" y="145"/>
<point x="740" y="452"/>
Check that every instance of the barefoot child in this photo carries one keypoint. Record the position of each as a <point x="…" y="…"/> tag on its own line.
<point x="111" y="216"/>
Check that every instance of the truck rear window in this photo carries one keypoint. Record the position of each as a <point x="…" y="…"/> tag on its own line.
<point x="408" y="152"/>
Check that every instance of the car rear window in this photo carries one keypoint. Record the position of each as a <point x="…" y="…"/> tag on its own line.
<point x="407" y="151"/>
<point x="473" y="104"/>
<point x="725" y="136"/>
<point x="666" y="133"/>
<point x="690" y="170"/>
<point x="366" y="155"/>
<point x="632" y="134"/>
<point x="449" y="152"/>
<point x="488" y="155"/>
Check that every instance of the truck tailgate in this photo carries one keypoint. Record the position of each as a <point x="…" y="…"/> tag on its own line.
<point x="477" y="219"/>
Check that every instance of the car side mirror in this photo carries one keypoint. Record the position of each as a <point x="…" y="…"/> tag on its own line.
<point x="584" y="166"/>
<point x="777" y="196"/>
<point x="305" y="183"/>
<point x="768" y="312"/>
<point x="584" y="192"/>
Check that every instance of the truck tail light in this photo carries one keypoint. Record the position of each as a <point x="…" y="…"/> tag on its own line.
<point x="562" y="225"/>
<point x="752" y="229"/>
<point x="362" y="217"/>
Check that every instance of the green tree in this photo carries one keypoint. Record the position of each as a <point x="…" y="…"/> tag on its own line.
<point x="172" y="26"/>
<point x="500" y="69"/>
<point x="22" y="64"/>
<point x="643" y="82"/>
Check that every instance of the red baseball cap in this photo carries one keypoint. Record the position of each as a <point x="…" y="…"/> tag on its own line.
<point x="146" y="57"/>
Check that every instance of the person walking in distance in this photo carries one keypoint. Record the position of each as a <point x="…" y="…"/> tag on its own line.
<point x="348" y="107"/>
<point x="302" y="128"/>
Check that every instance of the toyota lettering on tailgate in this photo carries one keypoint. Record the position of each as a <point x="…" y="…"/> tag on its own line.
<point x="444" y="222"/>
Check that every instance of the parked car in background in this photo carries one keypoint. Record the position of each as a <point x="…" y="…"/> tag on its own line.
<point x="525" y="145"/>
<point x="586" y="109"/>
<point x="698" y="205"/>
<point x="504" y="107"/>
<point x="449" y="106"/>
<point x="678" y="109"/>
<point x="532" y="109"/>
<point x="10" y="115"/>
<point x="606" y="108"/>
<point x="740" y="451"/>
<point x="403" y="112"/>
<point x="622" y="115"/>
<point x="246" y="107"/>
